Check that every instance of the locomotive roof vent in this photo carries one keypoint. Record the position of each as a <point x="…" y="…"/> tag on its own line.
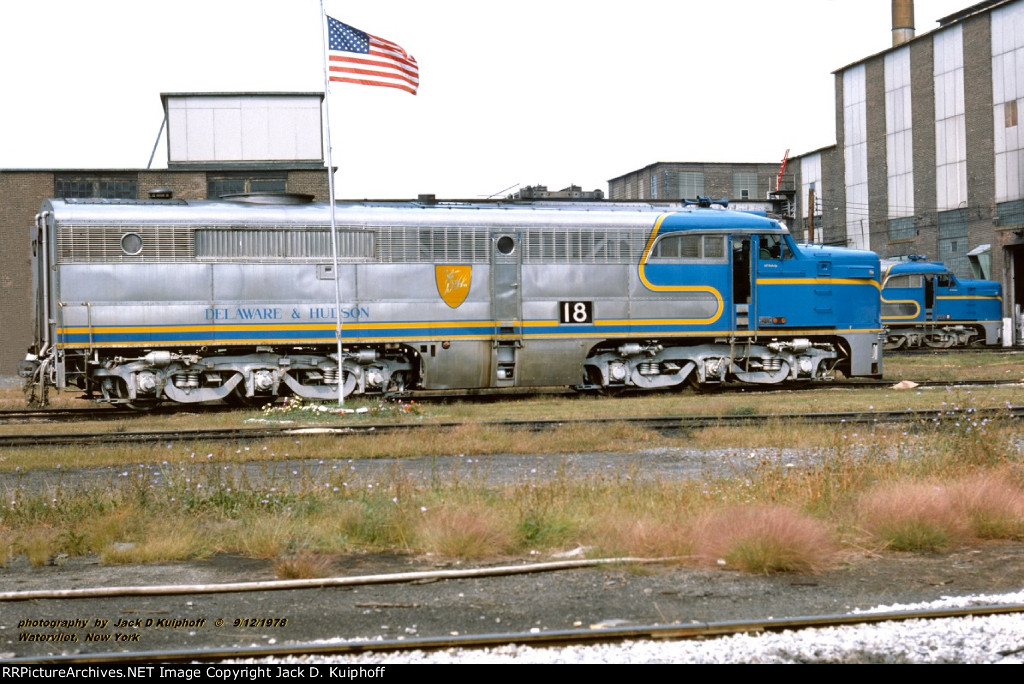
<point x="161" y="193"/>
<point x="269" y="198"/>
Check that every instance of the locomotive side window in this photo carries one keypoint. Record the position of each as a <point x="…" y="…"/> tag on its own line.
<point x="131" y="243"/>
<point x="677" y="246"/>
<point x="714" y="247"/>
<point x="689" y="248"/>
<point x="506" y="245"/>
<point x="904" y="281"/>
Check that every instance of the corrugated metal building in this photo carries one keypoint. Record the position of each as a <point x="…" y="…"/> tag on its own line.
<point x="929" y="156"/>
<point x="929" y="153"/>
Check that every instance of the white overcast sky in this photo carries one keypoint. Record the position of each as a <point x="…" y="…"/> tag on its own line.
<point x="551" y="92"/>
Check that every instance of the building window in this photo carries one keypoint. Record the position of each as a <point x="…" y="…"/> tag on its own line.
<point x="902" y="229"/>
<point x="241" y="183"/>
<point x="953" y="242"/>
<point x="1010" y="213"/>
<point x="107" y="187"/>
<point x="654" y="186"/>
<point x="689" y="184"/>
<point x="744" y="184"/>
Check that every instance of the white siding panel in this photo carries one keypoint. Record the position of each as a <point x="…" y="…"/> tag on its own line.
<point x="899" y="139"/>
<point x="950" y="122"/>
<point x="199" y="134"/>
<point x="177" y="140"/>
<point x="810" y="175"/>
<point x="1008" y="87"/>
<point x="856" y="154"/>
<point x="244" y="128"/>
<point x="255" y="133"/>
<point x="227" y="140"/>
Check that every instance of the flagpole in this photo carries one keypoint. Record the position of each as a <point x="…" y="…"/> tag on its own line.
<point x="334" y="223"/>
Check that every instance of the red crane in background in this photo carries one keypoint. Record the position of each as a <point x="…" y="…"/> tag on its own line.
<point x="782" y="170"/>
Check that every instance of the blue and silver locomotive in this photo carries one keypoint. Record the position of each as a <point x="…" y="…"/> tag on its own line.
<point x="139" y="302"/>
<point x="925" y="304"/>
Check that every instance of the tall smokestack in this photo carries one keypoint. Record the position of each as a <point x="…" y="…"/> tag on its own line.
<point x="902" y="21"/>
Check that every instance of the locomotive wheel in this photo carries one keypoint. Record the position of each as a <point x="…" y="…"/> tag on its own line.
<point x="238" y="398"/>
<point x="936" y="341"/>
<point x="143" y="405"/>
<point x="140" y="404"/>
<point x="692" y="382"/>
<point x="894" y="343"/>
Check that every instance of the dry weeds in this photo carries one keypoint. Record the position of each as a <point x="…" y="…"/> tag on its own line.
<point x="949" y="481"/>
<point x="765" y="539"/>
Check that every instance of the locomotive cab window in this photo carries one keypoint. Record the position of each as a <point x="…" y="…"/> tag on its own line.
<point x="773" y="247"/>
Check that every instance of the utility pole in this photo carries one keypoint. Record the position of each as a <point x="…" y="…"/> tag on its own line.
<point x="810" y="213"/>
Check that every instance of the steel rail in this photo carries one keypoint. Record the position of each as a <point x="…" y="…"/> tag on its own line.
<point x="603" y="635"/>
<point x="661" y="423"/>
<point x="102" y="412"/>
<point x="97" y="413"/>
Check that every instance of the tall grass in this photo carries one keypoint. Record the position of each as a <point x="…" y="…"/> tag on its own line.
<point x="765" y="539"/>
<point x="916" y="490"/>
<point x="957" y="479"/>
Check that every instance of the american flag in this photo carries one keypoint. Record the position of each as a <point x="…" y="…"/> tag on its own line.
<point x="358" y="57"/>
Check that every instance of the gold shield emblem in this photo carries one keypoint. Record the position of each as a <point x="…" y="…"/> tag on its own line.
<point x="453" y="283"/>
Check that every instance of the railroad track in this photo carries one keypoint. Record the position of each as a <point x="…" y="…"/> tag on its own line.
<point x="117" y="599"/>
<point x="8" y="416"/>
<point x="664" y="424"/>
<point x="70" y="415"/>
<point x="543" y="639"/>
<point x="912" y="351"/>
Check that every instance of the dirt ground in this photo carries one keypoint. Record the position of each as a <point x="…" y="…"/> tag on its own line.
<point x="615" y="595"/>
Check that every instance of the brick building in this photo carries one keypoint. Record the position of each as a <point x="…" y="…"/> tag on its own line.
<point x="573" y="192"/>
<point x="929" y="157"/>
<point x="253" y="164"/>
<point x="673" y="181"/>
<point x="929" y="153"/>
